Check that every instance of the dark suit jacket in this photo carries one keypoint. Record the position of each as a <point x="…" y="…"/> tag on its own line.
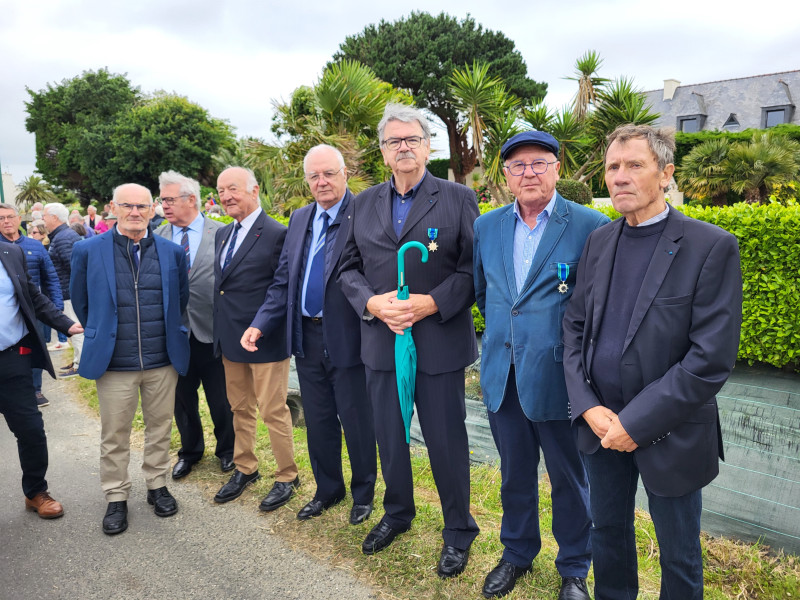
<point x="94" y="299"/>
<point x="241" y="290"/>
<point x="340" y="323"/>
<point x="680" y="347"/>
<point x="33" y="305"/>
<point x="445" y="341"/>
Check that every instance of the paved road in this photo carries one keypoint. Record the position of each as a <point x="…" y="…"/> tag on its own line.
<point x="205" y="551"/>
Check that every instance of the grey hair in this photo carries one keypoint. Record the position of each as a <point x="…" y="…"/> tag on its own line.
<point x="10" y="207"/>
<point x="116" y="191"/>
<point x="319" y="147"/>
<point x="406" y="114"/>
<point x="251" y="182"/>
<point x="58" y="210"/>
<point x="187" y="185"/>
<point x="660" y="140"/>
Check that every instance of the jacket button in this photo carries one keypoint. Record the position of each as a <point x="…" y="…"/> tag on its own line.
<point x="591" y="342"/>
<point x="587" y="381"/>
<point x="508" y="345"/>
<point x="514" y="313"/>
<point x="222" y="292"/>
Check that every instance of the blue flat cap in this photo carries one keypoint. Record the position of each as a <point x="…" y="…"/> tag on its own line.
<point x="530" y="138"/>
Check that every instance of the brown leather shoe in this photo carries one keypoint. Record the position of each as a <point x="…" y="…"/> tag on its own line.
<point x="43" y="504"/>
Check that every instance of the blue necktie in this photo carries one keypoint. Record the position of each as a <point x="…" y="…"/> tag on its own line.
<point x="185" y="244"/>
<point x="231" y="246"/>
<point x="136" y="257"/>
<point x="316" y="276"/>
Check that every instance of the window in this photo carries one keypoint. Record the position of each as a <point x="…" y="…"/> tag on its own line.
<point x="776" y="115"/>
<point x="732" y="123"/>
<point x="690" y="123"/>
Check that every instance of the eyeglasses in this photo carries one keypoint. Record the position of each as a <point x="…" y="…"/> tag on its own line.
<point x="170" y="201"/>
<point x="129" y="207"/>
<point x="412" y="142"/>
<point x="8" y="218"/>
<point x="538" y="167"/>
<point x="314" y="177"/>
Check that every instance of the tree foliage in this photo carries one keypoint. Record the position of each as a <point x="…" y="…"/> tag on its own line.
<point x="586" y="67"/>
<point x="419" y="53"/>
<point x="34" y="189"/>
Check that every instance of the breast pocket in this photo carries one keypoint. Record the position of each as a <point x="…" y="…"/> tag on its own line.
<point x="673" y="300"/>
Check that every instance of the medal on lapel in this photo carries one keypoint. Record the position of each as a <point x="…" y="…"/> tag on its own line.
<point x="562" y="271"/>
<point x="433" y="233"/>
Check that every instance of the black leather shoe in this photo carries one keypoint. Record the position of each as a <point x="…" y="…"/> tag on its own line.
<point x="381" y="536"/>
<point x="116" y="519"/>
<point x="502" y="579"/>
<point x="226" y="464"/>
<point x="315" y="508"/>
<point x="182" y="468"/>
<point x="360" y="513"/>
<point x="279" y="495"/>
<point x="164" y="505"/>
<point x="235" y="486"/>
<point x="452" y="561"/>
<point x="573" y="588"/>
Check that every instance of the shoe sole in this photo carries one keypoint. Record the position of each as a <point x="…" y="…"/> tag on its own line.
<point x="41" y="516"/>
<point x="41" y="404"/>
<point x="219" y="500"/>
<point x="115" y="531"/>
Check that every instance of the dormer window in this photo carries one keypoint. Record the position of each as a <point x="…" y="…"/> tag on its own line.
<point x="732" y="124"/>
<point x="776" y="115"/>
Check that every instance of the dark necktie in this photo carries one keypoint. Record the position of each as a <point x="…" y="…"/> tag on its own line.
<point x="185" y="244"/>
<point x="231" y="246"/>
<point x="316" y="276"/>
<point x="136" y="257"/>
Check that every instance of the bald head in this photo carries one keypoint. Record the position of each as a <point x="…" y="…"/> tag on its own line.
<point x="133" y="205"/>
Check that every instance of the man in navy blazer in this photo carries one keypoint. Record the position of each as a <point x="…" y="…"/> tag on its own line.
<point x="417" y="206"/>
<point x="650" y="336"/>
<point x="526" y="258"/>
<point x="130" y="303"/>
<point x="323" y="333"/>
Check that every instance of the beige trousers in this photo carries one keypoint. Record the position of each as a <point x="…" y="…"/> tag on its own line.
<point x="75" y="340"/>
<point x="254" y="388"/>
<point x="118" y="394"/>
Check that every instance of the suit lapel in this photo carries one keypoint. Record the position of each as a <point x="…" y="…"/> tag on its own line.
<point x="507" y="226"/>
<point x="204" y="248"/>
<point x="383" y="208"/>
<point x="107" y="253"/>
<point x="556" y="225"/>
<point x="247" y="243"/>
<point x="424" y="201"/>
<point x="665" y="252"/>
<point x="335" y="250"/>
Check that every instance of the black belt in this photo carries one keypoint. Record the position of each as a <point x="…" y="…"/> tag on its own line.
<point x="313" y="319"/>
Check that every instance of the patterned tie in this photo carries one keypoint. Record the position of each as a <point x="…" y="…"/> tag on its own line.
<point x="185" y="244"/>
<point x="316" y="276"/>
<point x="136" y="257"/>
<point x="231" y="246"/>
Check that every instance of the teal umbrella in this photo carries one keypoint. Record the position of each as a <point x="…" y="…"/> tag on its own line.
<point x="405" y="353"/>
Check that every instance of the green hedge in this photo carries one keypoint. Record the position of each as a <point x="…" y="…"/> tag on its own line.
<point x="684" y="142"/>
<point x="769" y="244"/>
<point x="438" y="167"/>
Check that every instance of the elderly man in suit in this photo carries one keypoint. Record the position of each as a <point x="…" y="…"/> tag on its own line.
<point x="650" y="336"/>
<point x="322" y="331"/>
<point x="21" y="348"/>
<point x="247" y="253"/>
<point x="180" y="197"/>
<point x="135" y="344"/>
<point x="415" y="205"/>
<point x="526" y="257"/>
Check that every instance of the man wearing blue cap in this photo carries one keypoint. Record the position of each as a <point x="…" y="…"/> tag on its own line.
<point x="526" y="257"/>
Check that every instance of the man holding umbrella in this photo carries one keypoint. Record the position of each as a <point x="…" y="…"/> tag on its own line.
<point x="416" y="206"/>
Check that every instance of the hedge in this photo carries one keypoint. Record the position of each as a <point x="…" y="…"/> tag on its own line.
<point x="769" y="245"/>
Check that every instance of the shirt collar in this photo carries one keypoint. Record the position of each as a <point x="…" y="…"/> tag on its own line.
<point x="546" y="211"/>
<point x="332" y="211"/>
<point x="653" y="220"/>
<point x="248" y="221"/>
<point x="413" y="191"/>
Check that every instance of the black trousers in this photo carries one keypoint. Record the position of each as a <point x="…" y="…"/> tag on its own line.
<point x="205" y="368"/>
<point x="335" y="399"/>
<point x="439" y="403"/>
<point x="18" y="406"/>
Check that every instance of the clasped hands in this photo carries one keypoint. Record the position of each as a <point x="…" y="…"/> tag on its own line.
<point x="401" y="314"/>
<point x="605" y="424"/>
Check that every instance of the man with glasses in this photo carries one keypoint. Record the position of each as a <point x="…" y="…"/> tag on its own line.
<point x="416" y="206"/>
<point x="180" y="197"/>
<point x="526" y="258"/>
<point x="322" y="331"/>
<point x="130" y="302"/>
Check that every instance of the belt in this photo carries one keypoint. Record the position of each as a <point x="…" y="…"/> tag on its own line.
<point x="313" y="319"/>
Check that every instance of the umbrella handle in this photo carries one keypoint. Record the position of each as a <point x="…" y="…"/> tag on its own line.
<point x="401" y="265"/>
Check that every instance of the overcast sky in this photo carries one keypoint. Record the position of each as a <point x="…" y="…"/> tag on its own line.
<point x="233" y="58"/>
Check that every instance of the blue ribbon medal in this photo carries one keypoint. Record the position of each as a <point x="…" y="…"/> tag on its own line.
<point x="433" y="233"/>
<point x="563" y="273"/>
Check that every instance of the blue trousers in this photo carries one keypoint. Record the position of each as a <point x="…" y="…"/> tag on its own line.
<point x="613" y="477"/>
<point x="518" y="441"/>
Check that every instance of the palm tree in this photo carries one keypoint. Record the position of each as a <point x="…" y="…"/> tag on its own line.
<point x="589" y="84"/>
<point x="34" y="189"/>
<point x="570" y="133"/>
<point x="755" y="167"/>
<point x="538" y="116"/>
<point x="701" y="173"/>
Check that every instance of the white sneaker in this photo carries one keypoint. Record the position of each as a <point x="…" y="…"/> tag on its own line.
<point x="57" y="346"/>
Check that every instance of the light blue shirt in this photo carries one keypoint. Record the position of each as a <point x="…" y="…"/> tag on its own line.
<point x="13" y="329"/>
<point x="195" y="234"/>
<point x="526" y="240"/>
<point x="246" y="223"/>
<point x="316" y="231"/>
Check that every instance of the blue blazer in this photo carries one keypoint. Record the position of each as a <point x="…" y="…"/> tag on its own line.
<point x="340" y="325"/>
<point x="94" y="299"/>
<point x="531" y="320"/>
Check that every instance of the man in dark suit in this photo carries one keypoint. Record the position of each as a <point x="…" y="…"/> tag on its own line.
<point x="415" y="205"/>
<point x="180" y="197"/>
<point x="21" y="348"/>
<point x="323" y="332"/>
<point x="135" y="345"/>
<point x="247" y="253"/>
<point x="526" y="258"/>
<point x="650" y="336"/>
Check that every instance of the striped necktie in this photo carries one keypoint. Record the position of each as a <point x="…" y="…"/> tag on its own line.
<point x="185" y="245"/>
<point x="231" y="246"/>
